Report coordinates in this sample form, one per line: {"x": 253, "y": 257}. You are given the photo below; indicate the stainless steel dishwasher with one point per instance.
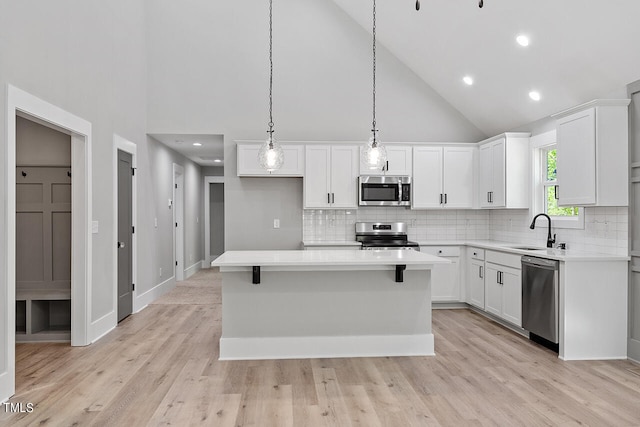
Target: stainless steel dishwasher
{"x": 540, "y": 299}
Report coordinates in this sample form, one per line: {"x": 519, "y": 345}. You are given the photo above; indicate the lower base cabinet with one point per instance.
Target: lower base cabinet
{"x": 445, "y": 279}
{"x": 43, "y": 315}
{"x": 503, "y": 287}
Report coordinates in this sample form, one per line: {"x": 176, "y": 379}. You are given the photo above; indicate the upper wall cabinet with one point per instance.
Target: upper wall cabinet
{"x": 593, "y": 143}
{"x": 330, "y": 180}
{"x": 398, "y": 161}
{"x": 248, "y": 160}
{"x": 443, "y": 177}
{"x": 503, "y": 171}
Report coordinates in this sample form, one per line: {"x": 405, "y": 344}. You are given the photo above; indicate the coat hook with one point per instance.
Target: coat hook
{"x": 480, "y": 4}
{"x": 24, "y": 174}
{"x": 417, "y": 4}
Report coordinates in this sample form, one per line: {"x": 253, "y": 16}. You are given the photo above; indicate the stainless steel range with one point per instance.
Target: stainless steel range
{"x": 384, "y": 236}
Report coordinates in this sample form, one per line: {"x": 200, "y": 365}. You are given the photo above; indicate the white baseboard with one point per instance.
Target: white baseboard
{"x": 143, "y": 300}
{"x": 190, "y": 271}
{"x": 103, "y": 326}
{"x": 325, "y": 347}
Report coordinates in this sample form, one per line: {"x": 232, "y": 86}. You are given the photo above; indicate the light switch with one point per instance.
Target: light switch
{"x": 276, "y": 223}
{"x": 94, "y": 227}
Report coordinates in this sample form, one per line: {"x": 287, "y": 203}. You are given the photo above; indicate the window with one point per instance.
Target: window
{"x": 550, "y": 186}
{"x": 547, "y": 190}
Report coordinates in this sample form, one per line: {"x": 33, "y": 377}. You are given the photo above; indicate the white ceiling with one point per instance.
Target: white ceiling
{"x": 580, "y": 50}
{"x": 212, "y": 147}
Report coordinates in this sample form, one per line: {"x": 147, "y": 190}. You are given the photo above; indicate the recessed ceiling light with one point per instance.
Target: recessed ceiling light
{"x": 468, "y": 80}
{"x": 523, "y": 40}
{"x": 217, "y": 161}
{"x": 197, "y": 144}
{"x": 535, "y": 95}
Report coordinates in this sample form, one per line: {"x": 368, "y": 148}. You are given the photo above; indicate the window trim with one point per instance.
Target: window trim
{"x": 539, "y": 145}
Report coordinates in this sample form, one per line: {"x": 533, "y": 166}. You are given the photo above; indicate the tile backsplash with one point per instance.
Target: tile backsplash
{"x": 605, "y": 229}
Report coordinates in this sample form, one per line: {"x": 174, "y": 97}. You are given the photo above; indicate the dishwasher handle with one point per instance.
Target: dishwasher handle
{"x": 540, "y": 262}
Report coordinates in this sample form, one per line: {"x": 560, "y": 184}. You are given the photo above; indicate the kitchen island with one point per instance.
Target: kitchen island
{"x": 334, "y": 303}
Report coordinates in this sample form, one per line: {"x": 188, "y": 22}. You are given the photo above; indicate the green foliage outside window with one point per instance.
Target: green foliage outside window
{"x": 552, "y": 203}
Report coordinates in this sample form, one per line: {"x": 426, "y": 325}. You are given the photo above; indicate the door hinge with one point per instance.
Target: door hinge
{"x": 133, "y": 286}
{"x": 176, "y": 185}
{"x": 176, "y": 263}
{"x": 133, "y": 171}
{"x": 176, "y": 225}
{"x": 133, "y": 229}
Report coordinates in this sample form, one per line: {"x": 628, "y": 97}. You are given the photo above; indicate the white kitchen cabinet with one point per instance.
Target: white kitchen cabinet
{"x": 592, "y": 144}
{"x": 247, "y": 160}
{"x": 442, "y": 177}
{"x": 330, "y": 179}
{"x": 475, "y": 277}
{"x": 445, "y": 278}
{"x": 503, "y": 287}
{"x": 503, "y": 171}
{"x": 398, "y": 161}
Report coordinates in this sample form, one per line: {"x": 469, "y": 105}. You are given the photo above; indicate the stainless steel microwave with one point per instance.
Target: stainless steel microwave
{"x": 384, "y": 191}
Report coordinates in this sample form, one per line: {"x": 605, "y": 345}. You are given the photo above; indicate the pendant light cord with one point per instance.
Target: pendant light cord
{"x": 270, "y": 69}
{"x": 374, "y": 74}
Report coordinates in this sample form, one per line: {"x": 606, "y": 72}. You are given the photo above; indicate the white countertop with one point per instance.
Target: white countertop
{"x": 557, "y": 254}
{"x": 330, "y": 243}
{"x": 336, "y": 257}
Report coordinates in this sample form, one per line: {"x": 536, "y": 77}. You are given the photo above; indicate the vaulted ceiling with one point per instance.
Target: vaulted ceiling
{"x": 579, "y": 50}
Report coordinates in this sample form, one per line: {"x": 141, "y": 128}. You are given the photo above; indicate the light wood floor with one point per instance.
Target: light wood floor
{"x": 160, "y": 367}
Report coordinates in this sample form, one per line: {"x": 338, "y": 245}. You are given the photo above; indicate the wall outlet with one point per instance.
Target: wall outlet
{"x": 276, "y": 223}
{"x": 160, "y": 271}
{"x": 95, "y": 227}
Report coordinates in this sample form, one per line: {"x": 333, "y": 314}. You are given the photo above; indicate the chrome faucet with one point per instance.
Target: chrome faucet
{"x": 550, "y": 241}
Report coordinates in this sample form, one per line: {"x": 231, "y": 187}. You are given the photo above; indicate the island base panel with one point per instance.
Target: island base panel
{"x": 295, "y": 314}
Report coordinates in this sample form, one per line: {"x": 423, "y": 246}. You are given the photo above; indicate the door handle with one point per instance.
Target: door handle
{"x": 480, "y": 271}
{"x": 556, "y": 191}
{"x": 121, "y": 245}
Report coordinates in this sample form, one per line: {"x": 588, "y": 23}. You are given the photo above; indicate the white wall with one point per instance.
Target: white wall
{"x": 155, "y": 169}
{"x": 84, "y": 57}
{"x": 199, "y": 82}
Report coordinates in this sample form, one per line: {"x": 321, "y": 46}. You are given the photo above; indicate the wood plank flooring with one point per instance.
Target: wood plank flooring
{"x": 159, "y": 367}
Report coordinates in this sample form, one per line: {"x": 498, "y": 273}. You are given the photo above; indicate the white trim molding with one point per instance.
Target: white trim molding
{"x": 154, "y": 293}
{"x": 33, "y": 108}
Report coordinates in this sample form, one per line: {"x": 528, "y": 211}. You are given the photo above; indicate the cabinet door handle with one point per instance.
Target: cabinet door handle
{"x": 491, "y": 196}
{"x": 329, "y": 198}
{"x": 556, "y": 191}
{"x": 488, "y": 196}
{"x": 480, "y": 272}
{"x": 445, "y": 198}
{"x": 333, "y": 197}
{"x": 440, "y": 198}
{"x": 498, "y": 277}
{"x": 387, "y": 168}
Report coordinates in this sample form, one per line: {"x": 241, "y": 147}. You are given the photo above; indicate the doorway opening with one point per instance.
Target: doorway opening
{"x": 213, "y": 218}
{"x": 24, "y": 105}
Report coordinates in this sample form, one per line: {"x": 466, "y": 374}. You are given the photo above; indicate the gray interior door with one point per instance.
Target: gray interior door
{"x": 125, "y": 231}
{"x": 43, "y": 228}
{"x": 633, "y": 350}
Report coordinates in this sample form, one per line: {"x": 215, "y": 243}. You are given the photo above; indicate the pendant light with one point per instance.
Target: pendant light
{"x": 374, "y": 155}
{"x": 270, "y": 155}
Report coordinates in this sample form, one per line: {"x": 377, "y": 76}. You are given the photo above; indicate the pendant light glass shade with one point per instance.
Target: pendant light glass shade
{"x": 271, "y": 155}
{"x": 374, "y": 155}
